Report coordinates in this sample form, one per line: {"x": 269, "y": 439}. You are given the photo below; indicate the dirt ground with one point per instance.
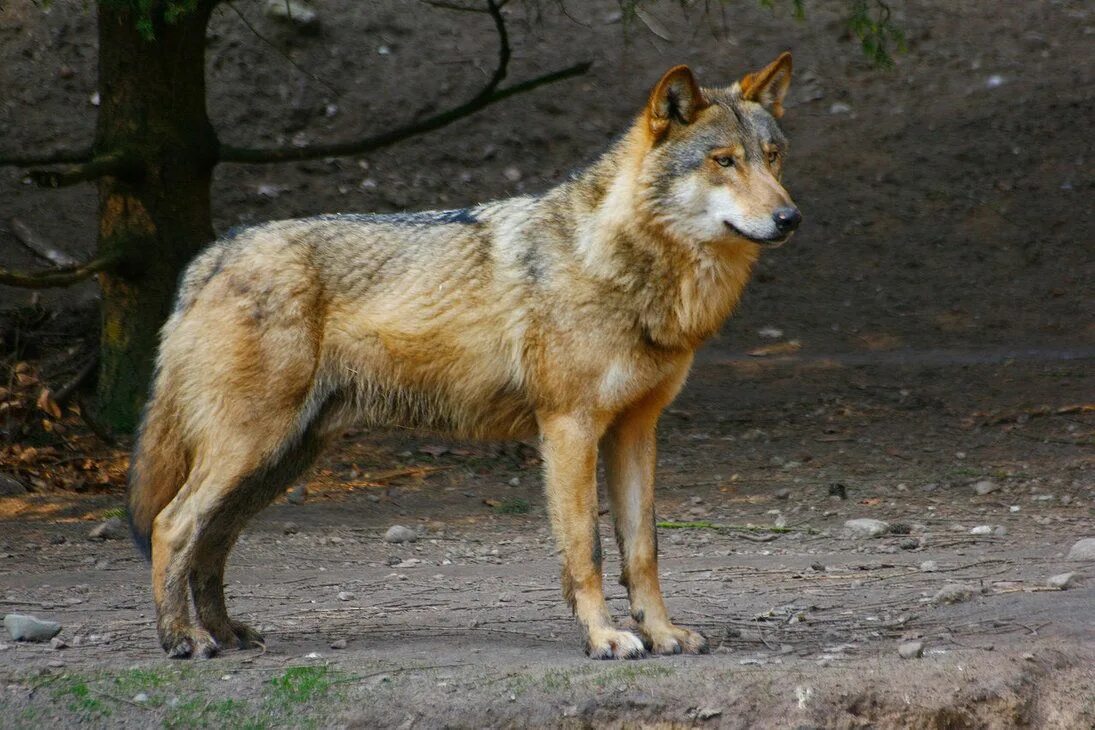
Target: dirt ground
{"x": 940, "y": 303}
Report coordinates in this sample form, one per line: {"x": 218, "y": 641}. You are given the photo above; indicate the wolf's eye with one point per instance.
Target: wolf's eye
{"x": 724, "y": 161}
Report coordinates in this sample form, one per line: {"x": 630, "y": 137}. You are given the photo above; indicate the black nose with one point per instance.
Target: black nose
{"x": 787, "y": 219}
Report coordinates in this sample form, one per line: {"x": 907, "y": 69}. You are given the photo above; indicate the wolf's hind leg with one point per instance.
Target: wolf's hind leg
{"x": 629, "y": 457}
{"x": 249, "y": 496}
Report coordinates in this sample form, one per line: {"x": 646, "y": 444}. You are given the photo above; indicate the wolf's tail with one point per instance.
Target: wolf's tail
{"x": 158, "y": 469}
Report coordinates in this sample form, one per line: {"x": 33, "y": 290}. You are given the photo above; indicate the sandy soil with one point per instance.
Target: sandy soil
{"x": 937, "y": 293}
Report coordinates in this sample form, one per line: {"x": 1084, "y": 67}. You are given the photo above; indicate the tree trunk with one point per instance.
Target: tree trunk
{"x": 157, "y": 215}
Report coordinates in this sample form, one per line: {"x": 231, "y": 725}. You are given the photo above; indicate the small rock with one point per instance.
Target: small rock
{"x": 11, "y": 487}
{"x": 515, "y": 482}
{"x": 770, "y": 332}
{"x": 985, "y": 486}
{"x": 1063, "y": 581}
{"x": 338, "y": 644}
{"x": 112, "y": 529}
{"x": 30, "y": 628}
{"x": 399, "y": 533}
{"x": 58, "y": 540}
{"x": 953, "y": 593}
{"x": 297, "y": 494}
{"x": 839, "y": 107}
{"x": 981, "y": 530}
{"x": 783, "y": 494}
{"x": 346, "y": 596}
{"x": 866, "y": 527}
{"x": 57, "y": 643}
{"x": 140, "y": 698}
{"x": 838, "y": 490}
{"x": 1084, "y": 549}
{"x": 293, "y": 11}
{"x": 910, "y": 543}
{"x": 512, "y": 174}
{"x": 1000, "y": 531}
{"x": 290, "y": 528}
{"x": 911, "y": 649}
{"x": 707, "y": 713}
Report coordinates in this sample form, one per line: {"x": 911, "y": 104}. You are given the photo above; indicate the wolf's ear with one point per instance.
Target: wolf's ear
{"x": 676, "y": 98}
{"x": 768, "y": 86}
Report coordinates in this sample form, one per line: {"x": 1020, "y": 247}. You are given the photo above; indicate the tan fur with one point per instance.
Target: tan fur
{"x": 573, "y": 316}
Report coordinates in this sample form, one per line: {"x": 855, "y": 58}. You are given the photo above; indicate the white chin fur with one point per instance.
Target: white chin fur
{"x": 701, "y": 213}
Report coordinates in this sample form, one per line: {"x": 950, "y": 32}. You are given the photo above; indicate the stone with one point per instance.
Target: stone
{"x": 515, "y": 482}
{"x": 57, "y": 643}
{"x": 290, "y": 528}
{"x": 346, "y": 596}
{"x": 30, "y": 628}
{"x": 338, "y": 644}
{"x": 112, "y": 529}
{"x": 784, "y": 493}
{"x": 298, "y": 13}
{"x": 866, "y": 527}
{"x": 11, "y": 487}
{"x": 911, "y": 649}
{"x": 297, "y": 494}
{"x": 985, "y": 486}
{"x": 707, "y": 713}
{"x": 140, "y": 698}
{"x": 399, "y": 533}
{"x": 953, "y": 593}
{"x": 1062, "y": 581}
{"x": 1084, "y": 549}
{"x": 981, "y": 530}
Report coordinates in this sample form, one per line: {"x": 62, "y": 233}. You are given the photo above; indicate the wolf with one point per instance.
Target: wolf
{"x": 572, "y": 316}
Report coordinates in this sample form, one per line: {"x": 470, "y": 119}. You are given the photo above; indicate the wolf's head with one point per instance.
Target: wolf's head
{"x": 715, "y": 158}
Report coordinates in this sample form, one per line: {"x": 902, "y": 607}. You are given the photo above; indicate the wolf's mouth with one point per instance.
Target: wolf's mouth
{"x": 768, "y": 242}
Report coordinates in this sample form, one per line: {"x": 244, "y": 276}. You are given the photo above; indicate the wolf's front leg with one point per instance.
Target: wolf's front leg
{"x": 570, "y": 458}
{"x": 629, "y": 453}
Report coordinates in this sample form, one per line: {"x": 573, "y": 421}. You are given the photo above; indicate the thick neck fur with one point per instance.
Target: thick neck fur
{"x": 685, "y": 289}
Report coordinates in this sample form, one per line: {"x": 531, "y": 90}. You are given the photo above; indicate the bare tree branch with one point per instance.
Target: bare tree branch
{"x": 61, "y": 277}
{"x": 489, "y": 94}
{"x": 288, "y": 59}
{"x": 113, "y": 164}
{"x": 60, "y": 157}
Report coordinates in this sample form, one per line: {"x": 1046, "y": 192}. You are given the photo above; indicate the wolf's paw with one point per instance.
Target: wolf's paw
{"x": 666, "y": 638}
{"x": 614, "y": 644}
{"x": 189, "y": 642}
{"x": 235, "y": 633}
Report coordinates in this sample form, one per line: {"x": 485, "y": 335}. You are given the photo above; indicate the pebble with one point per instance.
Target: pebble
{"x": 1063, "y": 581}
{"x": 140, "y": 697}
{"x": 11, "y": 487}
{"x": 839, "y": 107}
{"x": 984, "y": 487}
{"x": 515, "y": 482}
{"x": 910, "y": 543}
{"x": 866, "y": 527}
{"x": 707, "y": 713}
{"x": 783, "y": 494}
{"x": 1084, "y": 549}
{"x": 911, "y": 649}
{"x": 297, "y": 494}
{"x": 346, "y": 596}
{"x": 112, "y": 529}
{"x": 512, "y": 174}
{"x": 981, "y": 530}
{"x": 399, "y": 533}
{"x": 953, "y": 593}
{"x": 338, "y": 644}
{"x": 293, "y": 11}
{"x": 57, "y": 643}
{"x": 30, "y": 628}
{"x": 290, "y": 528}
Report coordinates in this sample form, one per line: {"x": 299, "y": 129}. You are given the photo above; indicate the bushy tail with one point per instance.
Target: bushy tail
{"x": 157, "y": 471}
